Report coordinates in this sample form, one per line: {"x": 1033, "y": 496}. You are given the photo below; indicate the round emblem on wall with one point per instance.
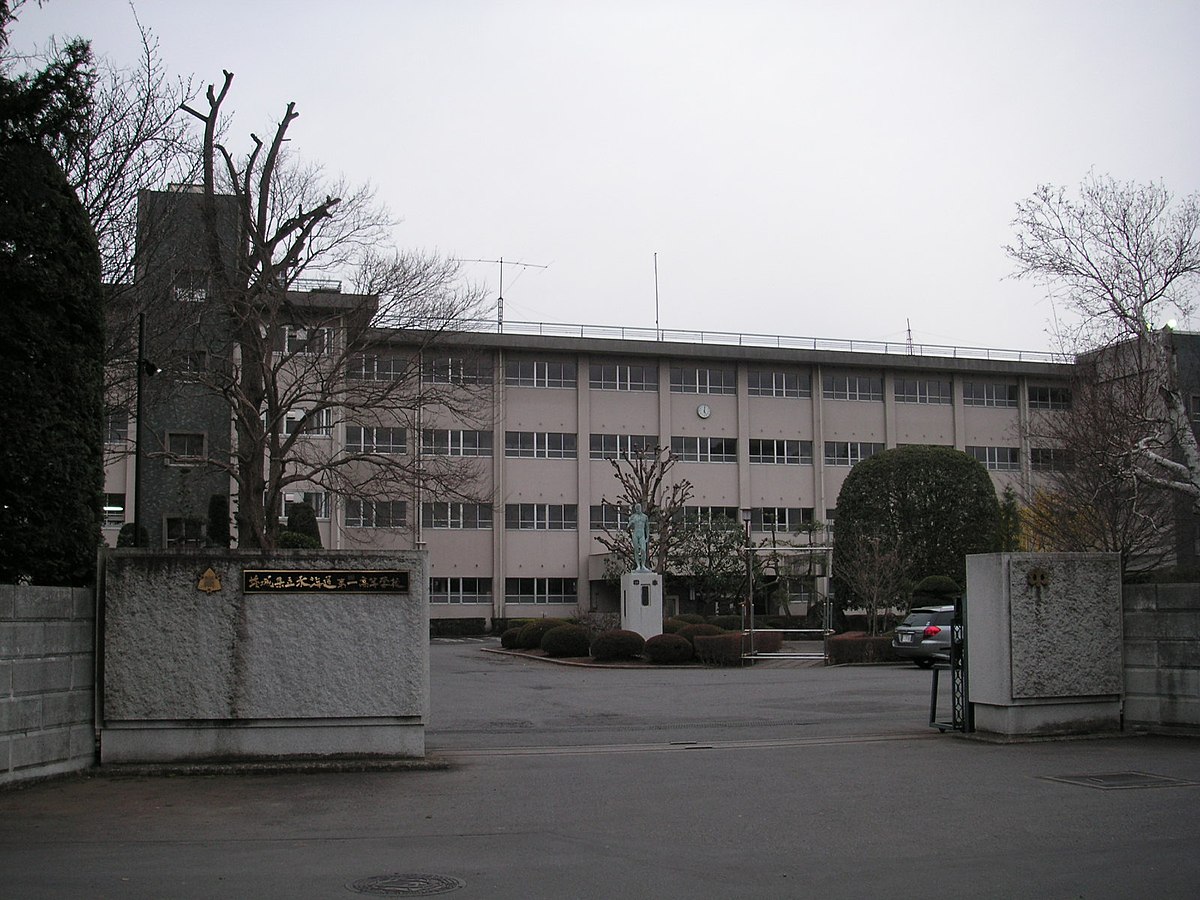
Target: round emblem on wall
{"x": 704, "y": 410}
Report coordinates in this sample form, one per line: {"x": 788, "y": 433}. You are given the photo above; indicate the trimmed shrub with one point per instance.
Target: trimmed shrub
{"x": 858, "y": 647}
{"x": 508, "y": 640}
{"x": 302, "y": 519}
{"x": 941, "y": 589}
{"x": 218, "y": 520}
{"x": 672, "y": 625}
{"x": 723, "y": 649}
{"x": 471, "y": 626}
{"x": 667, "y": 649}
{"x": 689, "y": 632}
{"x": 764, "y": 642}
{"x": 566, "y": 640}
{"x": 531, "y": 635}
{"x": 729, "y": 623}
{"x": 617, "y": 644}
{"x": 691, "y": 618}
{"x": 294, "y": 540}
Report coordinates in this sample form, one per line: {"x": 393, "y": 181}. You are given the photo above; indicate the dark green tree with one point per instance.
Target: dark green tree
{"x": 1009, "y": 536}
{"x": 51, "y": 348}
{"x": 929, "y": 506}
{"x": 302, "y": 519}
{"x": 218, "y": 520}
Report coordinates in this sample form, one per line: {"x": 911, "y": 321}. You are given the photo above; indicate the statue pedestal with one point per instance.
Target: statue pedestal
{"x": 642, "y": 603}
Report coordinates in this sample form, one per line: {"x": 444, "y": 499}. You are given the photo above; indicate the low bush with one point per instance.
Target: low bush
{"x": 294, "y": 540}
{"x": 508, "y": 640}
{"x": 690, "y": 618}
{"x": 617, "y": 644}
{"x": 457, "y": 627}
{"x": 859, "y": 647}
{"x": 724, "y": 649}
{"x": 531, "y": 634}
{"x": 729, "y": 623}
{"x": 689, "y": 632}
{"x": 764, "y": 642}
{"x": 667, "y": 649}
{"x": 672, "y": 625}
{"x": 566, "y": 640}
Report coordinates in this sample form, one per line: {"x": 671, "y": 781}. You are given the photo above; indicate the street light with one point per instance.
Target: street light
{"x": 748, "y": 615}
{"x": 146, "y": 369}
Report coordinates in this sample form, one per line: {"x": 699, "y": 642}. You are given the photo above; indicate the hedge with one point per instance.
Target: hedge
{"x": 666, "y": 649}
{"x": 724, "y": 649}
{"x": 691, "y": 631}
{"x": 858, "y": 647}
{"x": 617, "y": 644}
{"x": 566, "y": 640}
{"x": 531, "y": 635}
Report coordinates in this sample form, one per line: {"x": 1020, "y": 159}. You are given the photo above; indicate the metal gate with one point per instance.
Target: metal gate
{"x": 961, "y": 715}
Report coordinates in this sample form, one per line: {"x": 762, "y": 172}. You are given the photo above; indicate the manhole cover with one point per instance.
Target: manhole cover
{"x": 1117, "y": 781}
{"x": 406, "y": 885}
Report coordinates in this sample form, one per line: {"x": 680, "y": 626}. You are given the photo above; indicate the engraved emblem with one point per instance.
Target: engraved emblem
{"x": 209, "y": 582}
{"x": 1037, "y": 579}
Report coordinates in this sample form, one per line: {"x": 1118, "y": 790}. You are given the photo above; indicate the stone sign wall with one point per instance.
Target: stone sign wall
{"x": 221, "y": 654}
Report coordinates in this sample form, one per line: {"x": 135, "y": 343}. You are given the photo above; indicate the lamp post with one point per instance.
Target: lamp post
{"x": 748, "y": 615}
{"x": 146, "y": 369}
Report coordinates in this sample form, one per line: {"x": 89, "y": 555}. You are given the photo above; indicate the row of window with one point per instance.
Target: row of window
{"x": 516, "y": 590}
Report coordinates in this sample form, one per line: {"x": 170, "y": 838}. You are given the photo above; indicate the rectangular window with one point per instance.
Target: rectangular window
{"x": 847, "y": 453}
{"x": 297, "y": 339}
{"x": 770, "y": 383}
{"x": 114, "y": 510}
{"x": 999, "y": 459}
{"x": 989, "y": 393}
{"x": 539, "y": 445}
{"x": 913, "y": 390}
{"x": 192, "y": 364}
{"x": 541, "y": 516}
{"x": 540, "y": 590}
{"x": 376, "y": 513}
{"x": 704, "y": 449}
{"x": 318, "y": 500}
{"x": 781, "y": 452}
{"x": 184, "y": 534}
{"x": 779, "y": 518}
{"x": 460, "y": 590}
{"x": 456, "y": 515}
{"x": 607, "y": 516}
{"x": 1051, "y": 459}
{"x": 192, "y": 288}
{"x": 709, "y": 514}
{"x": 317, "y": 423}
{"x": 375, "y": 439}
{"x": 536, "y": 373}
{"x": 116, "y": 425}
{"x": 1044, "y": 397}
{"x": 623, "y": 377}
{"x": 456, "y": 442}
{"x": 185, "y": 448}
{"x": 457, "y": 370}
{"x": 617, "y": 446}
{"x": 701, "y": 380}
{"x": 369, "y": 367}
{"x": 852, "y": 387}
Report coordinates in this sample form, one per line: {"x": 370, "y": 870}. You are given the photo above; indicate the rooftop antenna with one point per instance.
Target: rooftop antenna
{"x": 908, "y": 322}
{"x": 500, "y": 298}
{"x": 657, "y": 330}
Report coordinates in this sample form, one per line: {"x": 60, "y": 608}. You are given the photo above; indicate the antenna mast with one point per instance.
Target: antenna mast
{"x": 500, "y": 298}
{"x": 908, "y": 322}
{"x": 657, "y": 330}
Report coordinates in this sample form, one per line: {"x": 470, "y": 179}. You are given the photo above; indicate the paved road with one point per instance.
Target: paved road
{"x": 568, "y": 782}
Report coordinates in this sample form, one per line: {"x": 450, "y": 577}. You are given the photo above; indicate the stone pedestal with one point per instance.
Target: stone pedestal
{"x": 642, "y": 603}
{"x": 1044, "y": 643}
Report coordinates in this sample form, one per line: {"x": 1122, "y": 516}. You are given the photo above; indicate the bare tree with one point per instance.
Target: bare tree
{"x": 291, "y": 356}
{"x": 1087, "y": 497}
{"x": 873, "y": 567}
{"x": 645, "y": 477}
{"x": 1124, "y": 259}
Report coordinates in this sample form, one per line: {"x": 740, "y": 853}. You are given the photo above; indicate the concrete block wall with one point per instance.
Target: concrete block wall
{"x": 47, "y": 675}
{"x": 1162, "y": 655}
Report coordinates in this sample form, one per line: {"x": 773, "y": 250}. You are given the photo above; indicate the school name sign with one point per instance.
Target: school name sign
{"x": 324, "y": 581}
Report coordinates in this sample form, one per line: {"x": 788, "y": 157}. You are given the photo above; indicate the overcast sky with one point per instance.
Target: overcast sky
{"x": 828, "y": 169}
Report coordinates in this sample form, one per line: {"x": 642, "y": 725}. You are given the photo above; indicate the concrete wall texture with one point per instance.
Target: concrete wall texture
{"x": 1162, "y": 655}
{"x": 195, "y": 668}
{"x": 47, "y": 675}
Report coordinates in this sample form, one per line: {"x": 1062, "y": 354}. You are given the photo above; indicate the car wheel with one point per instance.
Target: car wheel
{"x": 924, "y": 663}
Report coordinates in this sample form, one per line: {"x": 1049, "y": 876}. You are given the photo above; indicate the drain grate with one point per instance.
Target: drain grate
{"x": 406, "y": 885}
{"x": 1121, "y": 781}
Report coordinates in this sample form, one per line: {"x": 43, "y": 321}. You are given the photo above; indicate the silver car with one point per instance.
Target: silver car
{"x": 924, "y": 637}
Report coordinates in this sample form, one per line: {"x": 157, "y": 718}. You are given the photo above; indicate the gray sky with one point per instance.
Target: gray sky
{"x": 827, "y": 169}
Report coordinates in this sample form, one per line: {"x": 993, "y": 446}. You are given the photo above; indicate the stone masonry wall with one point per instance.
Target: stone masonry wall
{"x": 47, "y": 661}
{"x": 1162, "y": 655}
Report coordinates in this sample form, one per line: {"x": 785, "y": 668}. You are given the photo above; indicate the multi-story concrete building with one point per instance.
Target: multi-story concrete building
{"x": 770, "y": 426}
